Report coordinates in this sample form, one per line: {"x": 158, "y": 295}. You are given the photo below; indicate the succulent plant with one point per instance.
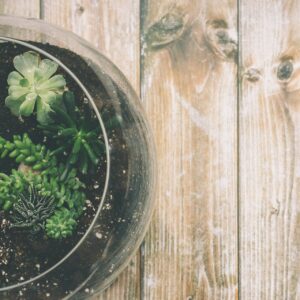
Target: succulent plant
{"x": 61, "y": 224}
{"x": 32, "y": 210}
{"x": 44, "y": 173}
{"x": 77, "y": 134}
{"x": 23, "y": 150}
{"x": 10, "y": 187}
{"x": 33, "y": 85}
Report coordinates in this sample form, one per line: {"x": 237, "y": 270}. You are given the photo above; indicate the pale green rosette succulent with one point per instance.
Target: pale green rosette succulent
{"x": 32, "y": 87}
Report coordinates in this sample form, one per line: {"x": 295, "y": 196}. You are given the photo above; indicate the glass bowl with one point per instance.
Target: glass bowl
{"x": 126, "y": 202}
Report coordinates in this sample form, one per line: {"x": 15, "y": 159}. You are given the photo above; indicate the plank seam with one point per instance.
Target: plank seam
{"x": 142, "y": 6}
{"x": 41, "y": 10}
{"x": 239, "y": 93}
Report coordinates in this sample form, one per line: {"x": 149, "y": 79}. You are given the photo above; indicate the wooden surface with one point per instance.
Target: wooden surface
{"x": 220, "y": 82}
{"x": 269, "y": 150}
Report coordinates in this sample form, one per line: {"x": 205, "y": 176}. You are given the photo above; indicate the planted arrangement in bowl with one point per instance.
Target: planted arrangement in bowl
{"x": 50, "y": 147}
{"x": 76, "y": 165}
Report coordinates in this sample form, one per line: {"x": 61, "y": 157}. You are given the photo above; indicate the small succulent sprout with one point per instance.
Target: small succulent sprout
{"x": 33, "y": 87}
{"x": 61, "y": 224}
{"x": 77, "y": 133}
{"x": 32, "y": 210}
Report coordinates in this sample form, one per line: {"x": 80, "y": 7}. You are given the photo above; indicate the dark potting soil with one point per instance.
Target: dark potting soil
{"x": 28, "y": 256}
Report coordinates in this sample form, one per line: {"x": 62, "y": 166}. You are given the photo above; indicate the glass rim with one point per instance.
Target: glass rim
{"x": 108, "y": 162}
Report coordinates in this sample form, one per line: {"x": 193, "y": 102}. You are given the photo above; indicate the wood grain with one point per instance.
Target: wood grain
{"x": 111, "y": 26}
{"x": 269, "y": 156}
{"x": 189, "y": 91}
{"x": 24, "y": 8}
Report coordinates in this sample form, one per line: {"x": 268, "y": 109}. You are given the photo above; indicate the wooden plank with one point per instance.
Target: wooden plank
{"x": 189, "y": 91}
{"x": 112, "y": 27}
{"x": 269, "y": 152}
{"x": 24, "y": 8}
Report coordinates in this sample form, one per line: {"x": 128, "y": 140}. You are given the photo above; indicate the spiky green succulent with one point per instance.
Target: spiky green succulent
{"x": 32, "y": 87}
{"x": 61, "y": 224}
{"x": 32, "y": 210}
{"x": 77, "y": 134}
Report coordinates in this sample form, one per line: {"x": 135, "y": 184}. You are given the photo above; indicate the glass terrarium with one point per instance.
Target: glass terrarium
{"x": 77, "y": 170}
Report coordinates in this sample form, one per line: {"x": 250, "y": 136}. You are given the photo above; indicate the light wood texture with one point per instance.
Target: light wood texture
{"x": 189, "y": 91}
{"x": 269, "y": 150}
{"x": 23, "y": 8}
{"x": 111, "y": 26}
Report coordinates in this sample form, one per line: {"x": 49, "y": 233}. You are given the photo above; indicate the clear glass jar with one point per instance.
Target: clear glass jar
{"x": 126, "y": 205}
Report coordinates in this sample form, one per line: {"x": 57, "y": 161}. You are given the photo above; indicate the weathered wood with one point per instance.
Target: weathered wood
{"x": 189, "y": 90}
{"x": 24, "y": 8}
{"x": 111, "y": 26}
{"x": 269, "y": 156}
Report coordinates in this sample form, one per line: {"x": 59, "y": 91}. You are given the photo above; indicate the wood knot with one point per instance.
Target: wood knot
{"x": 221, "y": 40}
{"x": 80, "y": 10}
{"x": 164, "y": 32}
{"x": 218, "y": 23}
{"x": 252, "y": 74}
{"x": 285, "y": 69}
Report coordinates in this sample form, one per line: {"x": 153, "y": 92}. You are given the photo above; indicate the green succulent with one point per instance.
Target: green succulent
{"x": 33, "y": 85}
{"x": 61, "y": 224}
{"x": 44, "y": 174}
{"x": 23, "y": 150}
{"x": 32, "y": 210}
{"x": 77, "y": 134}
{"x": 10, "y": 187}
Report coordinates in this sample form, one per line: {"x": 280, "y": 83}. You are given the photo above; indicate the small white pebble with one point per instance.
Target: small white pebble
{"x": 99, "y": 235}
